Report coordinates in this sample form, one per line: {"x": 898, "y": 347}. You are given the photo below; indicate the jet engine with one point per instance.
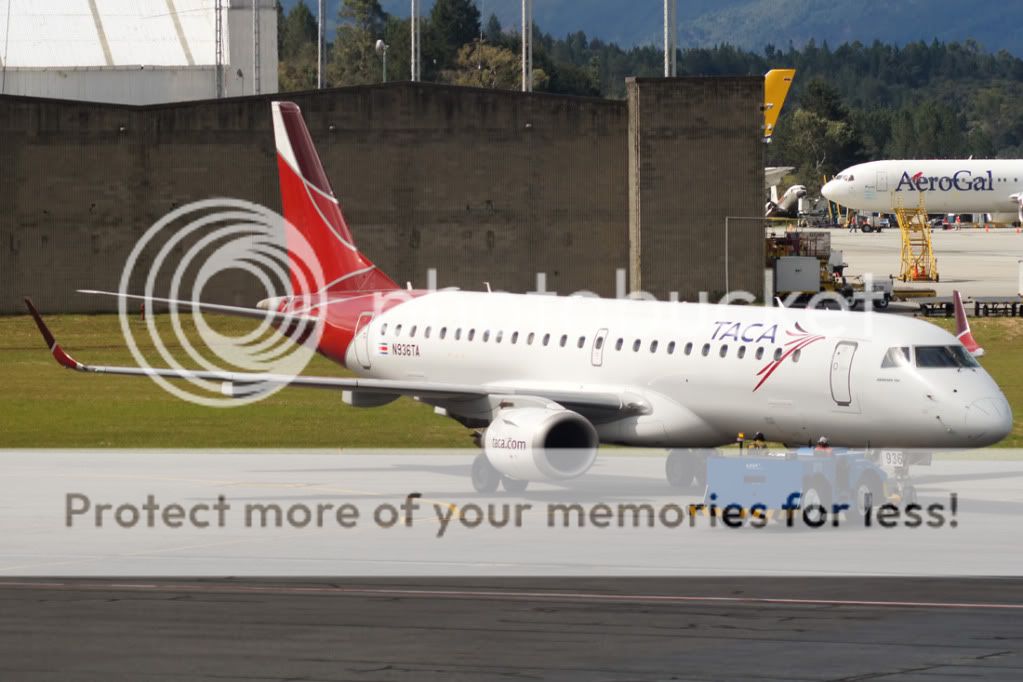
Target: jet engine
{"x": 1019, "y": 199}
{"x": 538, "y": 443}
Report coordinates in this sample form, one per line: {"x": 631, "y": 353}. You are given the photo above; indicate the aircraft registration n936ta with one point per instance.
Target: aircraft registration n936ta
{"x": 550, "y": 378}
{"x": 946, "y": 186}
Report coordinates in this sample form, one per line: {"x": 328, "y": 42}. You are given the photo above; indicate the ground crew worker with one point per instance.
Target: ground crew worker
{"x": 759, "y": 444}
{"x": 823, "y": 446}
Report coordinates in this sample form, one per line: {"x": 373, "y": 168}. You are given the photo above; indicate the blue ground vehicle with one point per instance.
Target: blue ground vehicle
{"x": 839, "y": 477}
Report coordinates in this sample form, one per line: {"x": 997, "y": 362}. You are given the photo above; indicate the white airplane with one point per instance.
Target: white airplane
{"x": 550, "y": 378}
{"x": 787, "y": 205}
{"x": 946, "y": 186}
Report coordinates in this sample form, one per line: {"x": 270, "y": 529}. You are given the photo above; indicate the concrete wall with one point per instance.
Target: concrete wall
{"x": 695, "y": 158}
{"x": 482, "y": 185}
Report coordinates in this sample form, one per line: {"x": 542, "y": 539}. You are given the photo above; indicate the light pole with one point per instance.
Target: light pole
{"x": 381, "y": 49}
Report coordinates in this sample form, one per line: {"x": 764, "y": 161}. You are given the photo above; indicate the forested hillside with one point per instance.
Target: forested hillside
{"x": 850, "y": 102}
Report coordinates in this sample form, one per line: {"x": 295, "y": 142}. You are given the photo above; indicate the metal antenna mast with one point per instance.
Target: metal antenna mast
{"x": 670, "y": 38}
{"x": 417, "y": 54}
{"x": 255, "y": 47}
{"x": 321, "y": 36}
{"x": 218, "y": 22}
{"x": 527, "y": 45}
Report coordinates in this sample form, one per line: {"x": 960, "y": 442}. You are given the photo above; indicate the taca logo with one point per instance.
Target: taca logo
{"x": 964, "y": 181}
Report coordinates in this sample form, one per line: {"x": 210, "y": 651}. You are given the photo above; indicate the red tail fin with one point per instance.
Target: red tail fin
{"x": 310, "y": 206}
{"x": 963, "y": 332}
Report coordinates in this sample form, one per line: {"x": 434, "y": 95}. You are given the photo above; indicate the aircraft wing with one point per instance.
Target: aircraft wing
{"x": 587, "y": 402}
{"x": 237, "y": 311}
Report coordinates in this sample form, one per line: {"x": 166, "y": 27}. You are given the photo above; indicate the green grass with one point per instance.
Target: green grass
{"x": 42, "y": 405}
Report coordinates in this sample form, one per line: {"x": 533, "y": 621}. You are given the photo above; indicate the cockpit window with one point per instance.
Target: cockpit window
{"x": 944, "y": 356}
{"x": 897, "y": 356}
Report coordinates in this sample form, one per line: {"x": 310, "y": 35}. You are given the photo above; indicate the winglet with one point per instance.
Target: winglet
{"x": 963, "y": 332}
{"x": 59, "y": 355}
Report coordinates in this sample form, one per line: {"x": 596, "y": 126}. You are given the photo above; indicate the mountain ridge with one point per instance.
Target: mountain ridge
{"x": 753, "y": 24}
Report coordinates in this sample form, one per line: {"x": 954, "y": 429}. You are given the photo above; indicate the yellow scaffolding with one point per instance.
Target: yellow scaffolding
{"x": 918, "y": 262}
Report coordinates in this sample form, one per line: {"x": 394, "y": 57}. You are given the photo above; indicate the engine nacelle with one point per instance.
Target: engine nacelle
{"x": 537, "y": 443}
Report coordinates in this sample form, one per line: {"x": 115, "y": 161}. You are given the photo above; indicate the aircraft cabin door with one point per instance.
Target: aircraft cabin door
{"x": 597, "y": 354}
{"x": 841, "y": 372}
{"x": 362, "y": 328}
{"x": 882, "y": 181}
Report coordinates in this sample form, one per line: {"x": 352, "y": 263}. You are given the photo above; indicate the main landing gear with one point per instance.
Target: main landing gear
{"x": 487, "y": 479}
{"x": 686, "y": 469}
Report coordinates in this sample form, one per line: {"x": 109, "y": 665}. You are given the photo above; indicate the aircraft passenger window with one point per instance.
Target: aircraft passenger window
{"x": 486, "y": 335}
{"x": 498, "y": 336}
{"x": 443, "y": 332}
{"x": 383, "y": 329}
{"x": 458, "y": 334}
{"x": 600, "y": 342}
{"x": 515, "y": 337}
{"x": 412, "y": 332}
{"x": 529, "y": 339}
{"x": 635, "y": 345}
{"x": 546, "y": 339}
{"x": 619, "y": 343}
{"x": 760, "y": 353}
{"x": 472, "y": 333}
{"x": 796, "y": 354}
{"x": 564, "y": 340}
{"x": 397, "y": 330}
{"x": 582, "y": 341}
{"x": 897, "y": 356}
{"x": 777, "y": 354}
{"x": 426, "y": 333}
{"x": 689, "y": 348}
{"x": 653, "y": 346}
{"x": 706, "y": 350}
{"x": 671, "y": 347}
{"x": 742, "y": 352}
{"x": 724, "y": 350}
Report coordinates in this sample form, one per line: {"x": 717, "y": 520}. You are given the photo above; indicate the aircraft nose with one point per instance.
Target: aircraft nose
{"x": 988, "y": 420}
{"x": 830, "y": 190}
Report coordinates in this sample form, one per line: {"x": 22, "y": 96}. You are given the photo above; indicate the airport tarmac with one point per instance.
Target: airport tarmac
{"x": 475, "y": 627}
{"x": 975, "y": 262}
{"x": 502, "y": 629}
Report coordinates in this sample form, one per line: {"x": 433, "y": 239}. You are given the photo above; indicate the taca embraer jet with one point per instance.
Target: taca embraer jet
{"x": 552, "y": 377}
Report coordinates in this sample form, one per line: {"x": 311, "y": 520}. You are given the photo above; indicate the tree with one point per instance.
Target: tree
{"x": 355, "y": 61}
{"x": 296, "y": 39}
{"x": 493, "y": 32}
{"x": 452, "y": 24}
{"x": 298, "y": 30}
{"x": 483, "y": 65}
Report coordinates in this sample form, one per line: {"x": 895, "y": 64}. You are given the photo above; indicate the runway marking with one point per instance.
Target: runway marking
{"x": 506, "y": 595}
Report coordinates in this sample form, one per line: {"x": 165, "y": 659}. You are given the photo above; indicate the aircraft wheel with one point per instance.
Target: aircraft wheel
{"x": 816, "y": 494}
{"x": 485, "y": 478}
{"x": 700, "y": 462}
{"x": 513, "y": 485}
{"x": 680, "y": 469}
{"x": 868, "y": 485}
{"x": 908, "y": 494}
